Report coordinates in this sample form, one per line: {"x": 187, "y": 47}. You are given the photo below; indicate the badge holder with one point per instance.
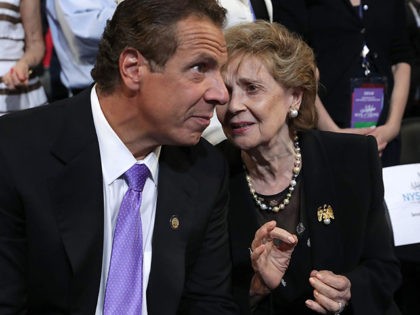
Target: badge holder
{"x": 368, "y": 96}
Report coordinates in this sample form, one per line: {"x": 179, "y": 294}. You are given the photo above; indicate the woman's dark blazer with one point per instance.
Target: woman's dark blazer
{"x": 336, "y": 33}
{"x": 343, "y": 171}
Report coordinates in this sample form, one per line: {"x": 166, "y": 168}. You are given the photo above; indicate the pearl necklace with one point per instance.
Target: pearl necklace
{"x": 296, "y": 170}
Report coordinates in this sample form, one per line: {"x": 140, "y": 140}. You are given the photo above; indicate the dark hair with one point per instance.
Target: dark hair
{"x": 148, "y": 26}
{"x": 288, "y": 58}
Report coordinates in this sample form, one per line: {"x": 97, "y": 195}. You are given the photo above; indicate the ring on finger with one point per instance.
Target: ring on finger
{"x": 341, "y": 307}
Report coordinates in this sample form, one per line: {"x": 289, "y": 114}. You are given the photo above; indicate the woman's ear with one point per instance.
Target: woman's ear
{"x": 297, "y": 96}
{"x": 131, "y": 64}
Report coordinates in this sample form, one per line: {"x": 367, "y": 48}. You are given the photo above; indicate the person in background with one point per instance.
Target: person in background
{"x": 413, "y": 24}
{"x": 110, "y": 201}
{"x": 407, "y": 296}
{"x": 22, "y": 49}
{"x": 359, "y": 45}
{"x": 50, "y": 78}
{"x": 315, "y": 227}
{"x": 76, "y": 29}
{"x": 239, "y": 11}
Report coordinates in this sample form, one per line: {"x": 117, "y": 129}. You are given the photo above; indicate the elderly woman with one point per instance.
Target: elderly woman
{"x": 315, "y": 198}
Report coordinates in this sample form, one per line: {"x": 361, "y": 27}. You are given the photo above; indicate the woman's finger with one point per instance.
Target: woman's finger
{"x": 313, "y": 305}
{"x": 262, "y": 234}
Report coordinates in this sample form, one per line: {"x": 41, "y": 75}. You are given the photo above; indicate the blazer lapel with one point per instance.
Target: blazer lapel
{"x": 243, "y": 220}
{"x": 318, "y": 191}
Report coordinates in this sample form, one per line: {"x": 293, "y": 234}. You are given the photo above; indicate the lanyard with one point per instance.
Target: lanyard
{"x": 365, "y": 50}
{"x": 360, "y": 10}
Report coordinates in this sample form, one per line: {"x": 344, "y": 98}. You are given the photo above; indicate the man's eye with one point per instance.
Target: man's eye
{"x": 201, "y": 67}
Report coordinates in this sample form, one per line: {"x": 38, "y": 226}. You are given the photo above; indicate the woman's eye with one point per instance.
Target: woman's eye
{"x": 251, "y": 88}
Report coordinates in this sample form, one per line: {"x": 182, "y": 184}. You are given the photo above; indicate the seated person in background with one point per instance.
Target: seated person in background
{"x": 315, "y": 198}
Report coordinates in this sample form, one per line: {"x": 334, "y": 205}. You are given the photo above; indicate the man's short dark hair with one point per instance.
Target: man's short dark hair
{"x": 149, "y": 27}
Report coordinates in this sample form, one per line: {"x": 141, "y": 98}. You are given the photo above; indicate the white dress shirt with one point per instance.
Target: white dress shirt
{"x": 116, "y": 159}
{"x": 238, "y": 11}
{"x": 76, "y": 29}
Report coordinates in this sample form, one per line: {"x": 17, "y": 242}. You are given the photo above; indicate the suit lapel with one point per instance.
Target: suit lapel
{"x": 319, "y": 190}
{"x": 176, "y": 201}
{"x": 77, "y": 192}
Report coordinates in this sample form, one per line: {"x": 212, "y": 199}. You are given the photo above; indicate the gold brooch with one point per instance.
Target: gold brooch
{"x": 325, "y": 214}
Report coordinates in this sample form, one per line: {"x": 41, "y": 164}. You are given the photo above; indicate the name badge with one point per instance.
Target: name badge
{"x": 368, "y": 96}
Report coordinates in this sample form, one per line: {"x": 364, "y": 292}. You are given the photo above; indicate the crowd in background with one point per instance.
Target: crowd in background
{"x": 69, "y": 43}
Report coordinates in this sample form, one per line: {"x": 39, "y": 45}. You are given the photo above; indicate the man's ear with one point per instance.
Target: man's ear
{"x": 132, "y": 65}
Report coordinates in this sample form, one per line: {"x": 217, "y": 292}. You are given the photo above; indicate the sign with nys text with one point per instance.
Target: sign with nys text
{"x": 402, "y": 196}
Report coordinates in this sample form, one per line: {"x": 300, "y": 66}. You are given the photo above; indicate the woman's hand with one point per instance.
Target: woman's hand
{"x": 331, "y": 292}
{"x": 272, "y": 249}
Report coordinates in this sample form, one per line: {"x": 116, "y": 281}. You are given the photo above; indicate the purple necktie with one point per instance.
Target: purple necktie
{"x": 124, "y": 286}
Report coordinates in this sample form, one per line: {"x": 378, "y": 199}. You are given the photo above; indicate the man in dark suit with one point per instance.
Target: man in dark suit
{"x": 62, "y": 173}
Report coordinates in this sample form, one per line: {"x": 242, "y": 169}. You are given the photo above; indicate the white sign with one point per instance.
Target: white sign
{"x": 402, "y": 196}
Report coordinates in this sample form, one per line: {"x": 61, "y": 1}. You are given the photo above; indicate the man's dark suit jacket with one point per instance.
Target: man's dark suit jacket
{"x": 342, "y": 171}
{"x": 51, "y": 219}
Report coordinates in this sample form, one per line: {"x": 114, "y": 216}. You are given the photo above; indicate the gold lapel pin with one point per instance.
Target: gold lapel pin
{"x": 174, "y": 222}
{"x": 325, "y": 214}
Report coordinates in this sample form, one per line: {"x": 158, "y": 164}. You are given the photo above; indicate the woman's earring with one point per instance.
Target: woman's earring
{"x": 293, "y": 113}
